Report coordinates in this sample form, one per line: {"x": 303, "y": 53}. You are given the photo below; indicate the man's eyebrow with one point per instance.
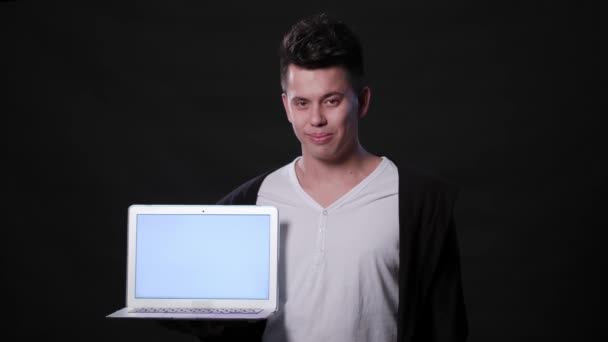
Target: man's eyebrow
{"x": 330, "y": 94}
{"x": 333, "y": 93}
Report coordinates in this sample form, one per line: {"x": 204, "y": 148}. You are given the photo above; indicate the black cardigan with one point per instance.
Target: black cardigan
{"x": 431, "y": 305}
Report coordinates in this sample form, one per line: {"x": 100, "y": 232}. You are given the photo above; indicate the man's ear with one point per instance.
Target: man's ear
{"x": 364, "y": 99}
{"x": 286, "y": 106}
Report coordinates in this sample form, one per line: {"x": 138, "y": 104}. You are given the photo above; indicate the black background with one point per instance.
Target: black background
{"x": 179, "y": 102}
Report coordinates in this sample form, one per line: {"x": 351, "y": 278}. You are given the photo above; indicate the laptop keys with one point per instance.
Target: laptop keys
{"x": 195, "y": 311}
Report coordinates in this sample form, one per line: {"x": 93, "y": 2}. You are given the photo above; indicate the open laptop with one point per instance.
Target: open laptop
{"x": 201, "y": 262}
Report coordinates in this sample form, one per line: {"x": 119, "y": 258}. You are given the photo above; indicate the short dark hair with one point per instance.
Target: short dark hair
{"x": 321, "y": 41}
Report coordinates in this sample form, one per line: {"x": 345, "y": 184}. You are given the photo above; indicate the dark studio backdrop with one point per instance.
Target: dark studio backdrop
{"x": 179, "y": 102}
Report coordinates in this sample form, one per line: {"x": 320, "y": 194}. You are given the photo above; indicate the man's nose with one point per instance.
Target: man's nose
{"x": 317, "y": 116}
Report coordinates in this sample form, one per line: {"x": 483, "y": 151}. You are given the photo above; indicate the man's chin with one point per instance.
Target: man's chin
{"x": 329, "y": 156}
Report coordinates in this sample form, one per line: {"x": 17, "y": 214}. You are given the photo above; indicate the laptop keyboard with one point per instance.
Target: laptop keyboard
{"x": 195, "y": 311}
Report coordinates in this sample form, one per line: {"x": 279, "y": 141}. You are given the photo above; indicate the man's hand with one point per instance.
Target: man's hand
{"x": 204, "y": 330}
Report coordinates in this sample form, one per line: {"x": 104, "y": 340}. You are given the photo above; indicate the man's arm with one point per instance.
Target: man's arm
{"x": 431, "y": 303}
{"x": 444, "y": 311}
{"x": 226, "y": 331}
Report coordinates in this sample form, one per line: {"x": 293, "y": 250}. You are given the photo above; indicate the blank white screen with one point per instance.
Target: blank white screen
{"x": 190, "y": 256}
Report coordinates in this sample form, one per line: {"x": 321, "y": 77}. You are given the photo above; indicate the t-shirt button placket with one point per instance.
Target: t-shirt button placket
{"x": 322, "y": 226}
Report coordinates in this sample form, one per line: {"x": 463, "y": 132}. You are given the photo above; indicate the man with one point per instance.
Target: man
{"x": 368, "y": 246}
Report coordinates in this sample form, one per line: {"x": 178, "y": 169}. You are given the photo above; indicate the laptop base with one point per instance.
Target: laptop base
{"x": 124, "y": 313}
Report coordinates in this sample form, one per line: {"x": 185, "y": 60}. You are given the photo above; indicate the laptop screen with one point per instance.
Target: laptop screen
{"x": 202, "y": 256}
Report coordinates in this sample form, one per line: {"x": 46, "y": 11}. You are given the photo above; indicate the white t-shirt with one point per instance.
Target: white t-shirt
{"x": 338, "y": 266}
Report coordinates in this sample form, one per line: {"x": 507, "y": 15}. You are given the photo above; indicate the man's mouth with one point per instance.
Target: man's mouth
{"x": 320, "y": 138}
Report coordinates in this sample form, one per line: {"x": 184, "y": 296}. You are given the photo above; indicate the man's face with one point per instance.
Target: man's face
{"x": 324, "y": 111}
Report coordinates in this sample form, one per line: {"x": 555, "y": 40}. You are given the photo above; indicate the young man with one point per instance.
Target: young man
{"x": 369, "y": 251}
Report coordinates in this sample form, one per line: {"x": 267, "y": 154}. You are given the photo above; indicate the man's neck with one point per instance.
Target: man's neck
{"x": 326, "y": 182}
{"x": 353, "y": 168}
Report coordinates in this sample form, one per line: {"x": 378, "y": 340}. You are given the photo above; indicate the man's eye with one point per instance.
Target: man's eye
{"x": 332, "y": 102}
{"x": 300, "y": 103}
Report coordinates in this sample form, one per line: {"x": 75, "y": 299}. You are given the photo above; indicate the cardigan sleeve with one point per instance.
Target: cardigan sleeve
{"x": 431, "y": 303}
{"x": 444, "y": 310}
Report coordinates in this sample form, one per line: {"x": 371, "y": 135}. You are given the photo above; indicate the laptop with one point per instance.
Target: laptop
{"x": 201, "y": 262}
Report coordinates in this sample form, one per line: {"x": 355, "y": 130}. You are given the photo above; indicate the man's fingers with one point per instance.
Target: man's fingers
{"x": 214, "y": 329}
